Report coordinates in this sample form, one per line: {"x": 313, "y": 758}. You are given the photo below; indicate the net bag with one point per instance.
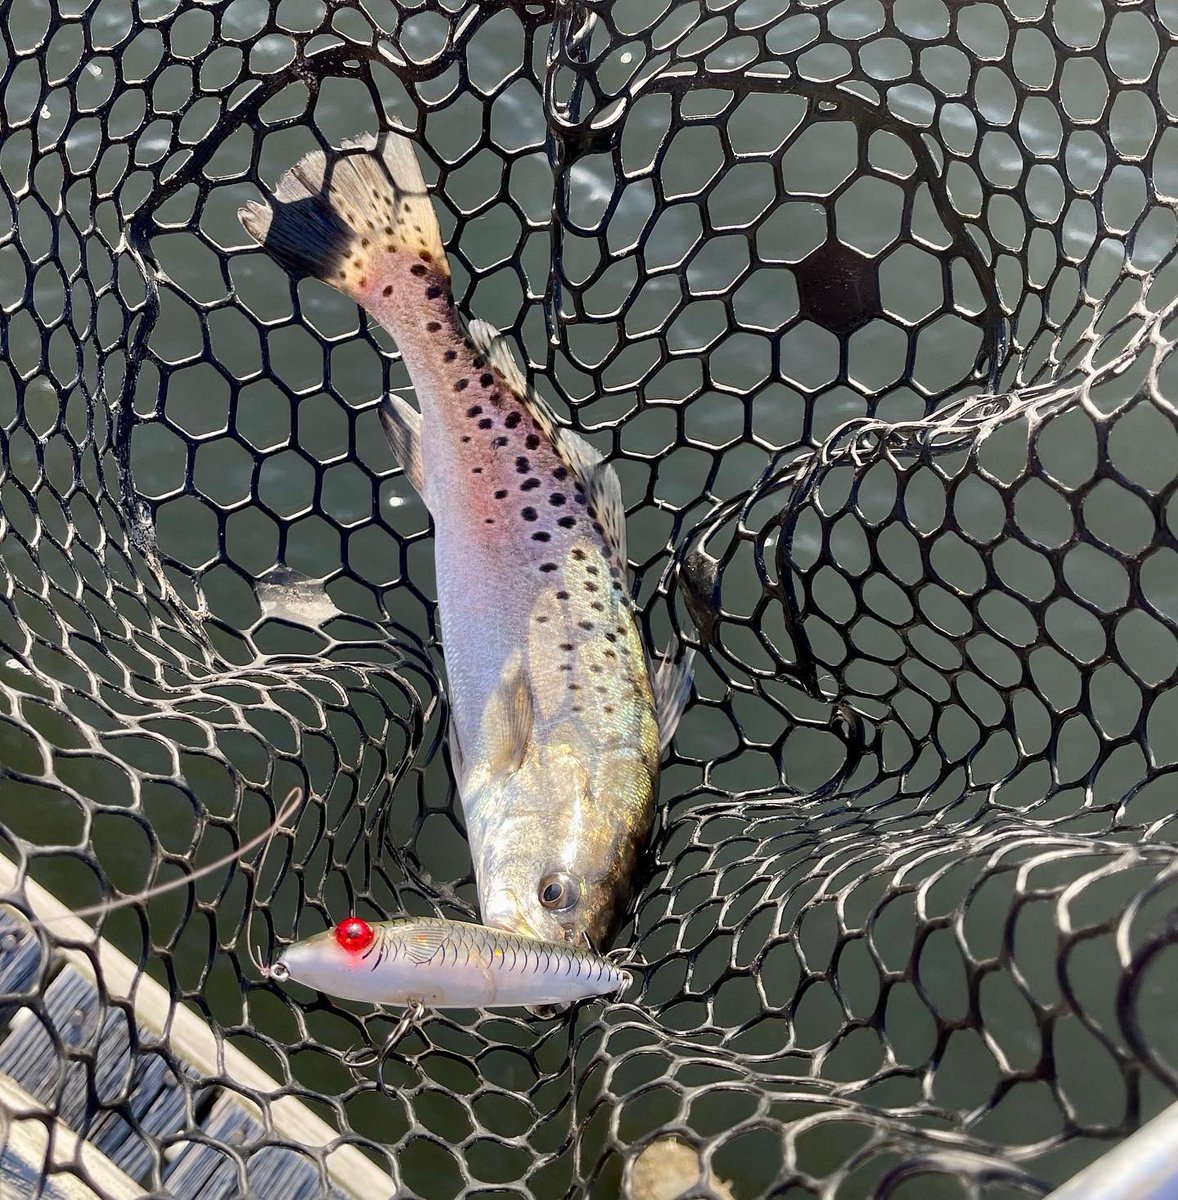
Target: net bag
{"x": 871, "y": 306}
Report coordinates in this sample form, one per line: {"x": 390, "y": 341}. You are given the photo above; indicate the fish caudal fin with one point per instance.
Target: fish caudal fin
{"x": 351, "y": 216}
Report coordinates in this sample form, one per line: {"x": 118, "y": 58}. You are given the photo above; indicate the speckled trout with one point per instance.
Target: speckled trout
{"x": 558, "y": 719}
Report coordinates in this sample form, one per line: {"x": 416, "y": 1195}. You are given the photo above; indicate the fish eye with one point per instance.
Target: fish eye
{"x": 558, "y": 893}
{"x": 280, "y": 971}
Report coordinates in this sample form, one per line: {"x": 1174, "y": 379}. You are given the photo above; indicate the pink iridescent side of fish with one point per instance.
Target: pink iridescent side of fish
{"x": 558, "y": 721}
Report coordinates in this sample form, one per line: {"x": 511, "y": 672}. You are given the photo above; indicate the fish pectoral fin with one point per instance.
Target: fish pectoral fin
{"x": 457, "y": 760}
{"x": 402, "y": 426}
{"x": 424, "y": 943}
{"x": 670, "y": 682}
{"x": 511, "y": 727}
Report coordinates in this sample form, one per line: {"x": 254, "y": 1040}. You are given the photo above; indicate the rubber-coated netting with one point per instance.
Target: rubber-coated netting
{"x": 871, "y": 305}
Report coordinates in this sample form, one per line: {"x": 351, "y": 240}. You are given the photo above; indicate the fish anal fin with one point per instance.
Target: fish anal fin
{"x": 671, "y": 684}
{"x": 402, "y": 427}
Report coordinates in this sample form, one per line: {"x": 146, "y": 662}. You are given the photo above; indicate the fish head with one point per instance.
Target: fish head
{"x": 562, "y": 866}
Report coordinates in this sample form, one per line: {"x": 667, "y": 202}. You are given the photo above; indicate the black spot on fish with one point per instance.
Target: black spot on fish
{"x": 541, "y": 536}
{"x": 597, "y": 529}
{"x": 608, "y": 710}
{"x": 576, "y": 708}
{"x": 474, "y": 410}
{"x": 590, "y": 570}
{"x": 462, "y": 385}
{"x": 585, "y": 624}
{"x": 486, "y": 423}
{"x": 466, "y": 437}
{"x": 560, "y": 473}
{"x": 426, "y": 256}
{"x": 476, "y": 470}
{"x": 529, "y": 485}
{"x": 511, "y": 420}
{"x": 566, "y": 666}
{"x": 485, "y": 380}
{"x": 579, "y": 554}
{"x": 574, "y": 687}
{"x": 611, "y": 654}
{"x": 489, "y": 521}
{"x": 590, "y": 587}
{"x": 450, "y": 355}
{"x": 479, "y": 362}
{"x": 500, "y": 493}
{"x": 522, "y": 465}
{"x": 597, "y": 606}
{"x": 417, "y": 269}
{"x": 541, "y": 619}
{"x": 611, "y": 637}
{"x": 531, "y": 441}
{"x": 547, "y": 568}
{"x": 567, "y": 522}
{"x": 499, "y": 441}
{"x": 496, "y": 399}
{"x": 566, "y": 645}
{"x": 388, "y": 291}
{"x": 432, "y": 326}
{"x": 596, "y": 668}
{"x": 556, "y": 498}
{"x": 528, "y": 514}
{"x": 433, "y": 291}
{"x": 562, "y": 595}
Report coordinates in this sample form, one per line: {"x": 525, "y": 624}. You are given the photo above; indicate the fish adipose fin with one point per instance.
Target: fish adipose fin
{"x": 402, "y": 426}
{"x": 510, "y": 725}
{"x": 602, "y": 486}
{"x": 671, "y": 683}
{"x": 336, "y": 212}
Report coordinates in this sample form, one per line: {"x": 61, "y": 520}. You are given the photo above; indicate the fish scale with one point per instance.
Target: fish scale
{"x": 556, "y": 728}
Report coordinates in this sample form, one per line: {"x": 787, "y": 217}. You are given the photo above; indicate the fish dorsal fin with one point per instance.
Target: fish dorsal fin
{"x": 422, "y": 942}
{"x": 509, "y": 724}
{"x": 490, "y": 343}
{"x": 496, "y": 348}
{"x": 670, "y": 682}
{"x": 402, "y": 427}
{"x": 602, "y": 487}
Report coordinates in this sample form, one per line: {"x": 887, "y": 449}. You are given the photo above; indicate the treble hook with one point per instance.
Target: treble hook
{"x": 357, "y": 1060}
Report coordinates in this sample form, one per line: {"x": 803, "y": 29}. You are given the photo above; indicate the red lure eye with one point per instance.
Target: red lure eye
{"x": 354, "y": 934}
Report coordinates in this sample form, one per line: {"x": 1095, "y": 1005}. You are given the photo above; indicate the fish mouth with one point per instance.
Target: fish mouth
{"x": 502, "y": 910}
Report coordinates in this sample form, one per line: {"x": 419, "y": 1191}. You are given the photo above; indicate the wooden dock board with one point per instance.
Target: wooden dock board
{"x": 125, "y": 1069}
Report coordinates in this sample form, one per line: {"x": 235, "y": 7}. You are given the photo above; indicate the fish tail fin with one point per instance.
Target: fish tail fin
{"x": 359, "y": 218}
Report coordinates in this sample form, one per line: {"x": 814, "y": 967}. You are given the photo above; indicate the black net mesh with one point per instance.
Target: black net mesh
{"x": 870, "y": 304}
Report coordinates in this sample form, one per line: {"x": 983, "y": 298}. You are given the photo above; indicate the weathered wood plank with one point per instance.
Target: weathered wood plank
{"x": 193, "y": 1042}
{"x": 42, "y": 1157}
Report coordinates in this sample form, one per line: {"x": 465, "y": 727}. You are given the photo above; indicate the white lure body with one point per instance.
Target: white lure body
{"x": 445, "y": 964}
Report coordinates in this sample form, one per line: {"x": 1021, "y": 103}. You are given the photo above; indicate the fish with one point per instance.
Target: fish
{"x": 436, "y": 963}
{"x": 558, "y": 717}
